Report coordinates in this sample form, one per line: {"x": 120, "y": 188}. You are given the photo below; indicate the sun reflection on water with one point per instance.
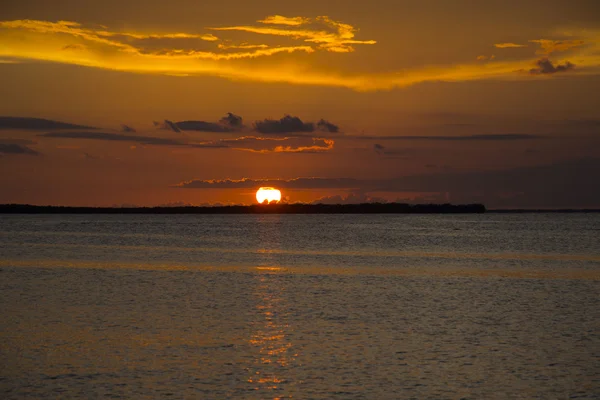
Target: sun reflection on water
{"x": 271, "y": 331}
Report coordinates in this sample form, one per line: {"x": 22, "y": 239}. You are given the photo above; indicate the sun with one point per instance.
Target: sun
{"x": 269, "y": 194}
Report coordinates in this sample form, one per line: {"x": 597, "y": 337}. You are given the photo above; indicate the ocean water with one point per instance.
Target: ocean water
{"x": 491, "y": 306}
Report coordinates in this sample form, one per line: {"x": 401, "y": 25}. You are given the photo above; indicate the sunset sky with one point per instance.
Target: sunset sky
{"x": 202, "y": 102}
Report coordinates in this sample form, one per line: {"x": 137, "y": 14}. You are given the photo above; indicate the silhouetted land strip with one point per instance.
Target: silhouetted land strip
{"x": 367, "y": 208}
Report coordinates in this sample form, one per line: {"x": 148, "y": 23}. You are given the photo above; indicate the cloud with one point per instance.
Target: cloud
{"x": 14, "y": 148}
{"x": 327, "y": 126}
{"x": 23, "y": 40}
{"x": 279, "y": 145}
{"x": 224, "y": 46}
{"x": 232, "y": 120}
{"x": 249, "y": 143}
{"x": 281, "y": 20}
{"x": 545, "y": 66}
{"x": 127, "y": 128}
{"x": 509, "y": 45}
{"x": 287, "y": 124}
{"x": 290, "y": 124}
{"x": 113, "y": 137}
{"x": 491, "y": 137}
{"x": 167, "y": 126}
{"x": 384, "y": 151}
{"x": 228, "y": 123}
{"x": 123, "y": 41}
{"x": 350, "y": 198}
{"x": 201, "y": 126}
{"x": 36, "y": 124}
{"x": 328, "y": 34}
{"x": 550, "y": 46}
{"x": 486, "y": 58}
{"x": 296, "y": 183}
{"x": 565, "y": 184}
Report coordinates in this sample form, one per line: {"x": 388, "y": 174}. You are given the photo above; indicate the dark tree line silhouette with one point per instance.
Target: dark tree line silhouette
{"x": 297, "y": 208}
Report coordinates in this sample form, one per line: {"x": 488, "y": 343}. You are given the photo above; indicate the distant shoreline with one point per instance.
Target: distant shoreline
{"x": 366, "y": 208}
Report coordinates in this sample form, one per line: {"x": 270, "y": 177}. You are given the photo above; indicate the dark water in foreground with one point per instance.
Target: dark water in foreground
{"x": 301, "y": 306}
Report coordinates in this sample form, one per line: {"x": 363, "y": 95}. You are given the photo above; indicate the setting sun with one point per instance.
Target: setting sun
{"x": 269, "y": 194}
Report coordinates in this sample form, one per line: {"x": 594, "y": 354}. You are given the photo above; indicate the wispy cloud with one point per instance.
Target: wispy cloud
{"x": 296, "y": 183}
{"x": 509, "y": 45}
{"x": 328, "y": 34}
{"x": 455, "y": 138}
{"x": 36, "y": 124}
{"x": 218, "y": 55}
{"x": 281, "y": 20}
{"x": 551, "y": 46}
{"x": 279, "y": 145}
{"x": 13, "y": 147}
{"x": 245, "y": 143}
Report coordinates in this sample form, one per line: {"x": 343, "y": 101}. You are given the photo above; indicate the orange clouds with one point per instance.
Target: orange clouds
{"x": 204, "y": 53}
{"x": 509, "y": 45}
{"x": 551, "y": 46}
{"x": 330, "y": 35}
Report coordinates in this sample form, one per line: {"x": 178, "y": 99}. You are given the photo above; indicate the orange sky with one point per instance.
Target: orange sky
{"x": 191, "y": 102}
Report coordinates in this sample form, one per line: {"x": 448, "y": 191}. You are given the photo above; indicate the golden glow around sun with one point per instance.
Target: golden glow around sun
{"x": 269, "y": 194}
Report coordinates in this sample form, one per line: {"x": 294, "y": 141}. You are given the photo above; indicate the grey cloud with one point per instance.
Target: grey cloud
{"x": 287, "y": 124}
{"x": 327, "y": 126}
{"x": 350, "y": 198}
{"x": 298, "y": 183}
{"x": 127, "y": 128}
{"x": 167, "y": 125}
{"x": 391, "y": 153}
{"x": 287, "y": 145}
{"x": 379, "y": 149}
{"x": 566, "y": 184}
{"x": 232, "y": 120}
{"x": 492, "y": 137}
{"x": 113, "y": 137}
{"x": 201, "y": 126}
{"x": 229, "y": 123}
{"x": 14, "y": 148}
{"x": 293, "y": 126}
{"x": 38, "y": 124}
{"x": 545, "y": 66}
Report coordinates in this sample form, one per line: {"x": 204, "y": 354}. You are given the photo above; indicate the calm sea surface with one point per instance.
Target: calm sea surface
{"x": 493, "y": 306}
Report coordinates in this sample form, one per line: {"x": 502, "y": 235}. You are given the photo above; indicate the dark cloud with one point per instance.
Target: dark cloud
{"x": 229, "y": 123}
{"x": 232, "y": 120}
{"x": 201, "y": 126}
{"x": 327, "y": 126}
{"x": 114, "y": 137}
{"x": 14, "y": 148}
{"x": 566, "y": 184}
{"x": 545, "y": 66}
{"x": 37, "y": 124}
{"x": 298, "y": 183}
{"x": 379, "y": 149}
{"x": 350, "y": 198}
{"x": 492, "y": 137}
{"x": 167, "y": 125}
{"x": 250, "y": 143}
{"x": 127, "y": 128}
{"x": 287, "y": 124}
{"x": 391, "y": 153}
